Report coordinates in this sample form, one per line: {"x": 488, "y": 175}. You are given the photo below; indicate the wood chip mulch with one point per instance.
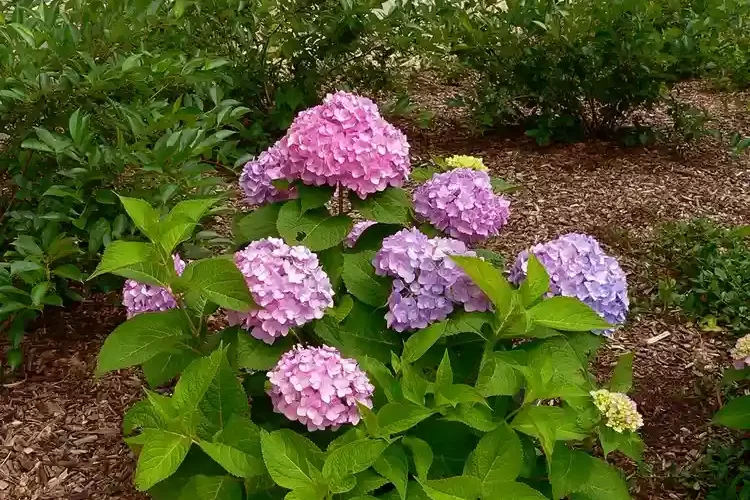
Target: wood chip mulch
{"x": 60, "y": 427}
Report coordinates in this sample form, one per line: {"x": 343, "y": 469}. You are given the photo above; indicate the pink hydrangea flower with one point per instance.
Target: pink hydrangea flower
{"x": 356, "y": 232}
{"x": 139, "y": 297}
{"x": 461, "y": 203}
{"x": 346, "y": 141}
{"x": 287, "y": 283}
{"x": 256, "y": 180}
{"x": 317, "y": 387}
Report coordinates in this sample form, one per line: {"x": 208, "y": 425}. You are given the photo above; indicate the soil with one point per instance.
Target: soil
{"x": 60, "y": 426}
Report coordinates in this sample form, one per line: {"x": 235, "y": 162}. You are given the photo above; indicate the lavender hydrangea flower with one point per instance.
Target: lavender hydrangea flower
{"x": 427, "y": 282}
{"x": 741, "y": 353}
{"x": 256, "y": 180}
{"x": 139, "y": 297}
{"x": 578, "y": 267}
{"x": 317, "y": 387}
{"x": 356, "y": 232}
{"x": 346, "y": 141}
{"x": 461, "y": 203}
{"x": 287, "y": 283}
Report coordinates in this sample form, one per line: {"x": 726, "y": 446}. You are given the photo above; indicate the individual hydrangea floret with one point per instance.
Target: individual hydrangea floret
{"x": 317, "y": 387}
{"x": 345, "y": 141}
{"x": 464, "y": 161}
{"x": 741, "y": 353}
{"x": 288, "y": 285}
{"x": 259, "y": 174}
{"x": 578, "y": 267}
{"x": 428, "y": 283}
{"x": 461, "y": 203}
{"x": 620, "y": 412}
{"x": 356, "y": 232}
{"x": 139, "y": 297}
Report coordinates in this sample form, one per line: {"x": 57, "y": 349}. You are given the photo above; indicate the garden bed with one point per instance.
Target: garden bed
{"x": 60, "y": 427}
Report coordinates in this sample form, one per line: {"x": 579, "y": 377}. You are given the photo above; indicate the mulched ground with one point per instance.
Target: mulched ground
{"x": 60, "y": 428}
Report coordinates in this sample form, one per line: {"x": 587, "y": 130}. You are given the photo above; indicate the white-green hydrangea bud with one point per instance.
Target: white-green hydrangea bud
{"x": 741, "y": 353}
{"x": 463, "y": 161}
{"x": 620, "y": 412}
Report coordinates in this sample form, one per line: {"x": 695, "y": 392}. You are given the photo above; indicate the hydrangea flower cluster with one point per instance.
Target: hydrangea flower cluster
{"x": 256, "y": 180}
{"x": 427, "y": 282}
{"x": 461, "y": 203}
{"x": 578, "y": 267}
{"x": 620, "y": 412}
{"x": 741, "y": 353}
{"x": 287, "y": 283}
{"x": 319, "y": 388}
{"x": 464, "y": 161}
{"x": 345, "y": 141}
{"x": 356, "y": 232}
{"x": 139, "y": 297}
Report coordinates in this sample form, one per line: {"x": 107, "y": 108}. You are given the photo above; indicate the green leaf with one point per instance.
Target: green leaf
{"x": 497, "y": 459}
{"x": 575, "y": 472}
{"x": 499, "y": 376}
{"x": 536, "y": 283}
{"x": 343, "y": 308}
{"x": 38, "y": 292}
{"x": 394, "y": 466}
{"x": 362, "y": 282}
{"x": 413, "y": 384}
{"x": 120, "y": 254}
{"x": 254, "y": 354}
{"x": 567, "y": 314}
{"x": 291, "y": 459}
{"x": 167, "y": 365}
{"x": 622, "y": 377}
{"x": 26, "y": 245}
{"x": 315, "y": 229}
{"x": 332, "y": 261}
{"x": 143, "y": 216}
{"x": 490, "y": 280}
{"x": 140, "y": 339}
{"x": 160, "y": 457}
{"x": 420, "y": 342}
{"x": 422, "y": 455}
{"x": 735, "y": 414}
{"x": 367, "y": 481}
{"x": 258, "y": 224}
{"x": 23, "y": 266}
{"x": 313, "y": 196}
{"x": 212, "y": 488}
{"x": 235, "y": 461}
{"x": 220, "y": 281}
{"x": 352, "y": 458}
{"x": 453, "y": 488}
{"x": 548, "y": 424}
{"x": 629, "y": 443}
{"x": 515, "y": 491}
{"x": 398, "y": 417}
{"x": 392, "y": 206}
{"x": 180, "y": 223}
{"x": 196, "y": 380}
{"x": 68, "y": 271}
{"x": 224, "y": 398}
{"x": 554, "y": 370}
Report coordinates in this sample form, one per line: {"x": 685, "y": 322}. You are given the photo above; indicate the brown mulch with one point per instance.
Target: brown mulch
{"x": 60, "y": 434}
{"x": 60, "y": 427}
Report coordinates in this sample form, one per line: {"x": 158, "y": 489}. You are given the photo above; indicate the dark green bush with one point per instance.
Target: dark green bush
{"x": 710, "y": 269}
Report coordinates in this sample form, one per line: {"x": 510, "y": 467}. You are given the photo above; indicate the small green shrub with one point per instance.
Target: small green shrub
{"x": 710, "y": 269}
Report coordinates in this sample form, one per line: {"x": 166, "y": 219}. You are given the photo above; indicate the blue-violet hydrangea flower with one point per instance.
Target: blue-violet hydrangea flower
{"x": 319, "y": 388}
{"x": 461, "y": 203}
{"x": 256, "y": 180}
{"x": 288, "y": 284}
{"x": 578, "y": 267}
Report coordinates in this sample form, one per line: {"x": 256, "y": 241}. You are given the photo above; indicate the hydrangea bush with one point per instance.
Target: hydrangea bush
{"x": 326, "y": 360}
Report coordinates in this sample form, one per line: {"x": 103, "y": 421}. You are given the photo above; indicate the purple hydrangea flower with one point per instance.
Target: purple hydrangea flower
{"x": 578, "y": 267}
{"x": 461, "y": 203}
{"x": 356, "y": 232}
{"x": 287, "y": 283}
{"x": 139, "y": 297}
{"x": 427, "y": 282}
{"x": 346, "y": 141}
{"x": 256, "y": 180}
{"x": 317, "y": 387}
